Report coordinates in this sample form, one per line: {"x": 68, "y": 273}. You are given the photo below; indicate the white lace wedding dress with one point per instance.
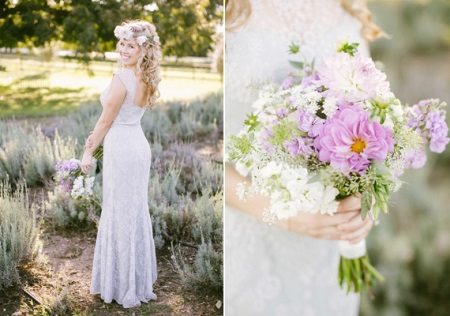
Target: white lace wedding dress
{"x": 270, "y": 271}
{"x": 124, "y": 265}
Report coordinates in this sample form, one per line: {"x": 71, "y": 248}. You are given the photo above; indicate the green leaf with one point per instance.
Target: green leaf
{"x": 294, "y": 48}
{"x": 251, "y": 122}
{"x": 297, "y": 64}
{"x": 366, "y": 203}
{"x": 349, "y": 48}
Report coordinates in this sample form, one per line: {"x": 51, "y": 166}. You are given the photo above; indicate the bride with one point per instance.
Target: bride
{"x": 290, "y": 269}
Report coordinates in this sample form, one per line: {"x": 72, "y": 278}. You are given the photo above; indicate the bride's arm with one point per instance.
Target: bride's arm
{"x": 346, "y": 224}
{"x": 110, "y": 110}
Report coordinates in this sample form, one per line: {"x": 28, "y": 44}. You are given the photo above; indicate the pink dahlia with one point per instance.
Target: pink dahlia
{"x": 349, "y": 141}
{"x": 352, "y": 78}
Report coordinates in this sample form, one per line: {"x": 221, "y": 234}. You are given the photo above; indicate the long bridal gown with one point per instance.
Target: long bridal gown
{"x": 124, "y": 265}
{"x": 270, "y": 271}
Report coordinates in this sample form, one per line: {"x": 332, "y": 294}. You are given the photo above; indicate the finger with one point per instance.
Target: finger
{"x": 328, "y": 232}
{"x": 353, "y": 224}
{"x": 359, "y": 233}
{"x": 350, "y": 203}
{"x": 337, "y": 219}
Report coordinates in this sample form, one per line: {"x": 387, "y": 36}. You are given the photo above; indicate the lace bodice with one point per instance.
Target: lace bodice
{"x": 129, "y": 114}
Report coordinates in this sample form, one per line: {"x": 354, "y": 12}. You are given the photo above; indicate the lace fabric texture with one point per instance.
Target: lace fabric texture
{"x": 124, "y": 265}
{"x": 270, "y": 271}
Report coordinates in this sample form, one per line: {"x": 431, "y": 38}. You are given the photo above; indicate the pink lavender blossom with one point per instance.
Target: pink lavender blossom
{"x": 282, "y": 112}
{"x": 305, "y": 120}
{"x": 311, "y": 81}
{"x": 350, "y": 141}
{"x": 415, "y": 159}
{"x": 287, "y": 83}
{"x": 437, "y": 131}
{"x": 265, "y": 135}
{"x": 309, "y": 123}
{"x": 299, "y": 146}
{"x": 352, "y": 79}
{"x": 429, "y": 121}
{"x": 67, "y": 165}
{"x": 66, "y": 185}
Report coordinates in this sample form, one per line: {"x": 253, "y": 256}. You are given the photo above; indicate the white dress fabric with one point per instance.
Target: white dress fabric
{"x": 271, "y": 271}
{"x": 124, "y": 265}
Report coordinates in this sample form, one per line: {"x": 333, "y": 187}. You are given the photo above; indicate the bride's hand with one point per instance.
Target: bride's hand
{"x": 86, "y": 162}
{"x": 345, "y": 224}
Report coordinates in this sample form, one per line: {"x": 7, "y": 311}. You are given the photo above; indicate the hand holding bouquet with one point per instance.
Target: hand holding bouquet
{"x": 331, "y": 132}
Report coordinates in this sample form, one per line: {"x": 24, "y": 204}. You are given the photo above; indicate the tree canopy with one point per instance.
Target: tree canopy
{"x": 185, "y": 27}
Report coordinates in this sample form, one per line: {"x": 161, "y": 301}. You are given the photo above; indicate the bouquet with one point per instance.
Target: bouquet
{"x": 70, "y": 180}
{"x": 73, "y": 198}
{"x": 330, "y": 132}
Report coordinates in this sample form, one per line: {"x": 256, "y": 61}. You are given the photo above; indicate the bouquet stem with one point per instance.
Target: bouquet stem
{"x": 355, "y": 271}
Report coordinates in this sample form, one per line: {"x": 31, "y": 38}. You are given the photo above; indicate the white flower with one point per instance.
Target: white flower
{"x": 329, "y": 106}
{"x": 328, "y": 203}
{"x": 78, "y": 187}
{"x": 271, "y": 169}
{"x": 141, "y": 39}
{"x": 82, "y": 186}
{"x": 123, "y": 32}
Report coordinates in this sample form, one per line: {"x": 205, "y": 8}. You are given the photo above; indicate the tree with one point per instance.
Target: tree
{"x": 186, "y": 27}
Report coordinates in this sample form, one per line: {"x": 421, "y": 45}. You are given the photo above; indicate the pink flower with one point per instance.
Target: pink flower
{"x": 415, "y": 159}
{"x": 350, "y": 141}
{"x": 299, "y": 146}
{"x": 352, "y": 79}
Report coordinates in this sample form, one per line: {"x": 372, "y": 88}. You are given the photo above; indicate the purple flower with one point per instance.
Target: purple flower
{"x": 265, "y": 136}
{"x": 283, "y": 112}
{"x": 415, "y": 159}
{"x": 437, "y": 131}
{"x": 305, "y": 120}
{"x": 287, "y": 83}
{"x": 309, "y": 123}
{"x": 428, "y": 120}
{"x": 66, "y": 185}
{"x": 312, "y": 80}
{"x": 299, "y": 146}
{"x": 350, "y": 141}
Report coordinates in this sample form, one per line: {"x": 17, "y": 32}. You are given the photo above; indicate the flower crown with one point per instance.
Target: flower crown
{"x": 126, "y": 33}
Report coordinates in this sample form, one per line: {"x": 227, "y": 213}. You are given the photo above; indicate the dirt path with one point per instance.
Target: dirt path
{"x": 63, "y": 283}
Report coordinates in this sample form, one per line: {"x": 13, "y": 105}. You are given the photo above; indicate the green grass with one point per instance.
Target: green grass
{"x": 20, "y": 100}
{"x": 32, "y": 88}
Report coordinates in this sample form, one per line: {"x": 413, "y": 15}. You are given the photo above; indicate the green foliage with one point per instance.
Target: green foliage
{"x": 251, "y": 122}
{"x": 19, "y": 233}
{"x": 193, "y": 21}
{"x": 349, "y": 48}
{"x": 426, "y": 21}
{"x": 186, "y": 27}
{"x": 294, "y": 48}
{"x": 206, "y": 274}
{"x": 26, "y": 153}
{"x": 207, "y": 212}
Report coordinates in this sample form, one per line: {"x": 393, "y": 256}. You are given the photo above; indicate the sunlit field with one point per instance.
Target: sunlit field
{"x": 34, "y": 88}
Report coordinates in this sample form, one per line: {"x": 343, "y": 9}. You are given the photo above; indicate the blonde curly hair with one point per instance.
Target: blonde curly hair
{"x": 150, "y": 56}
{"x": 237, "y": 13}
